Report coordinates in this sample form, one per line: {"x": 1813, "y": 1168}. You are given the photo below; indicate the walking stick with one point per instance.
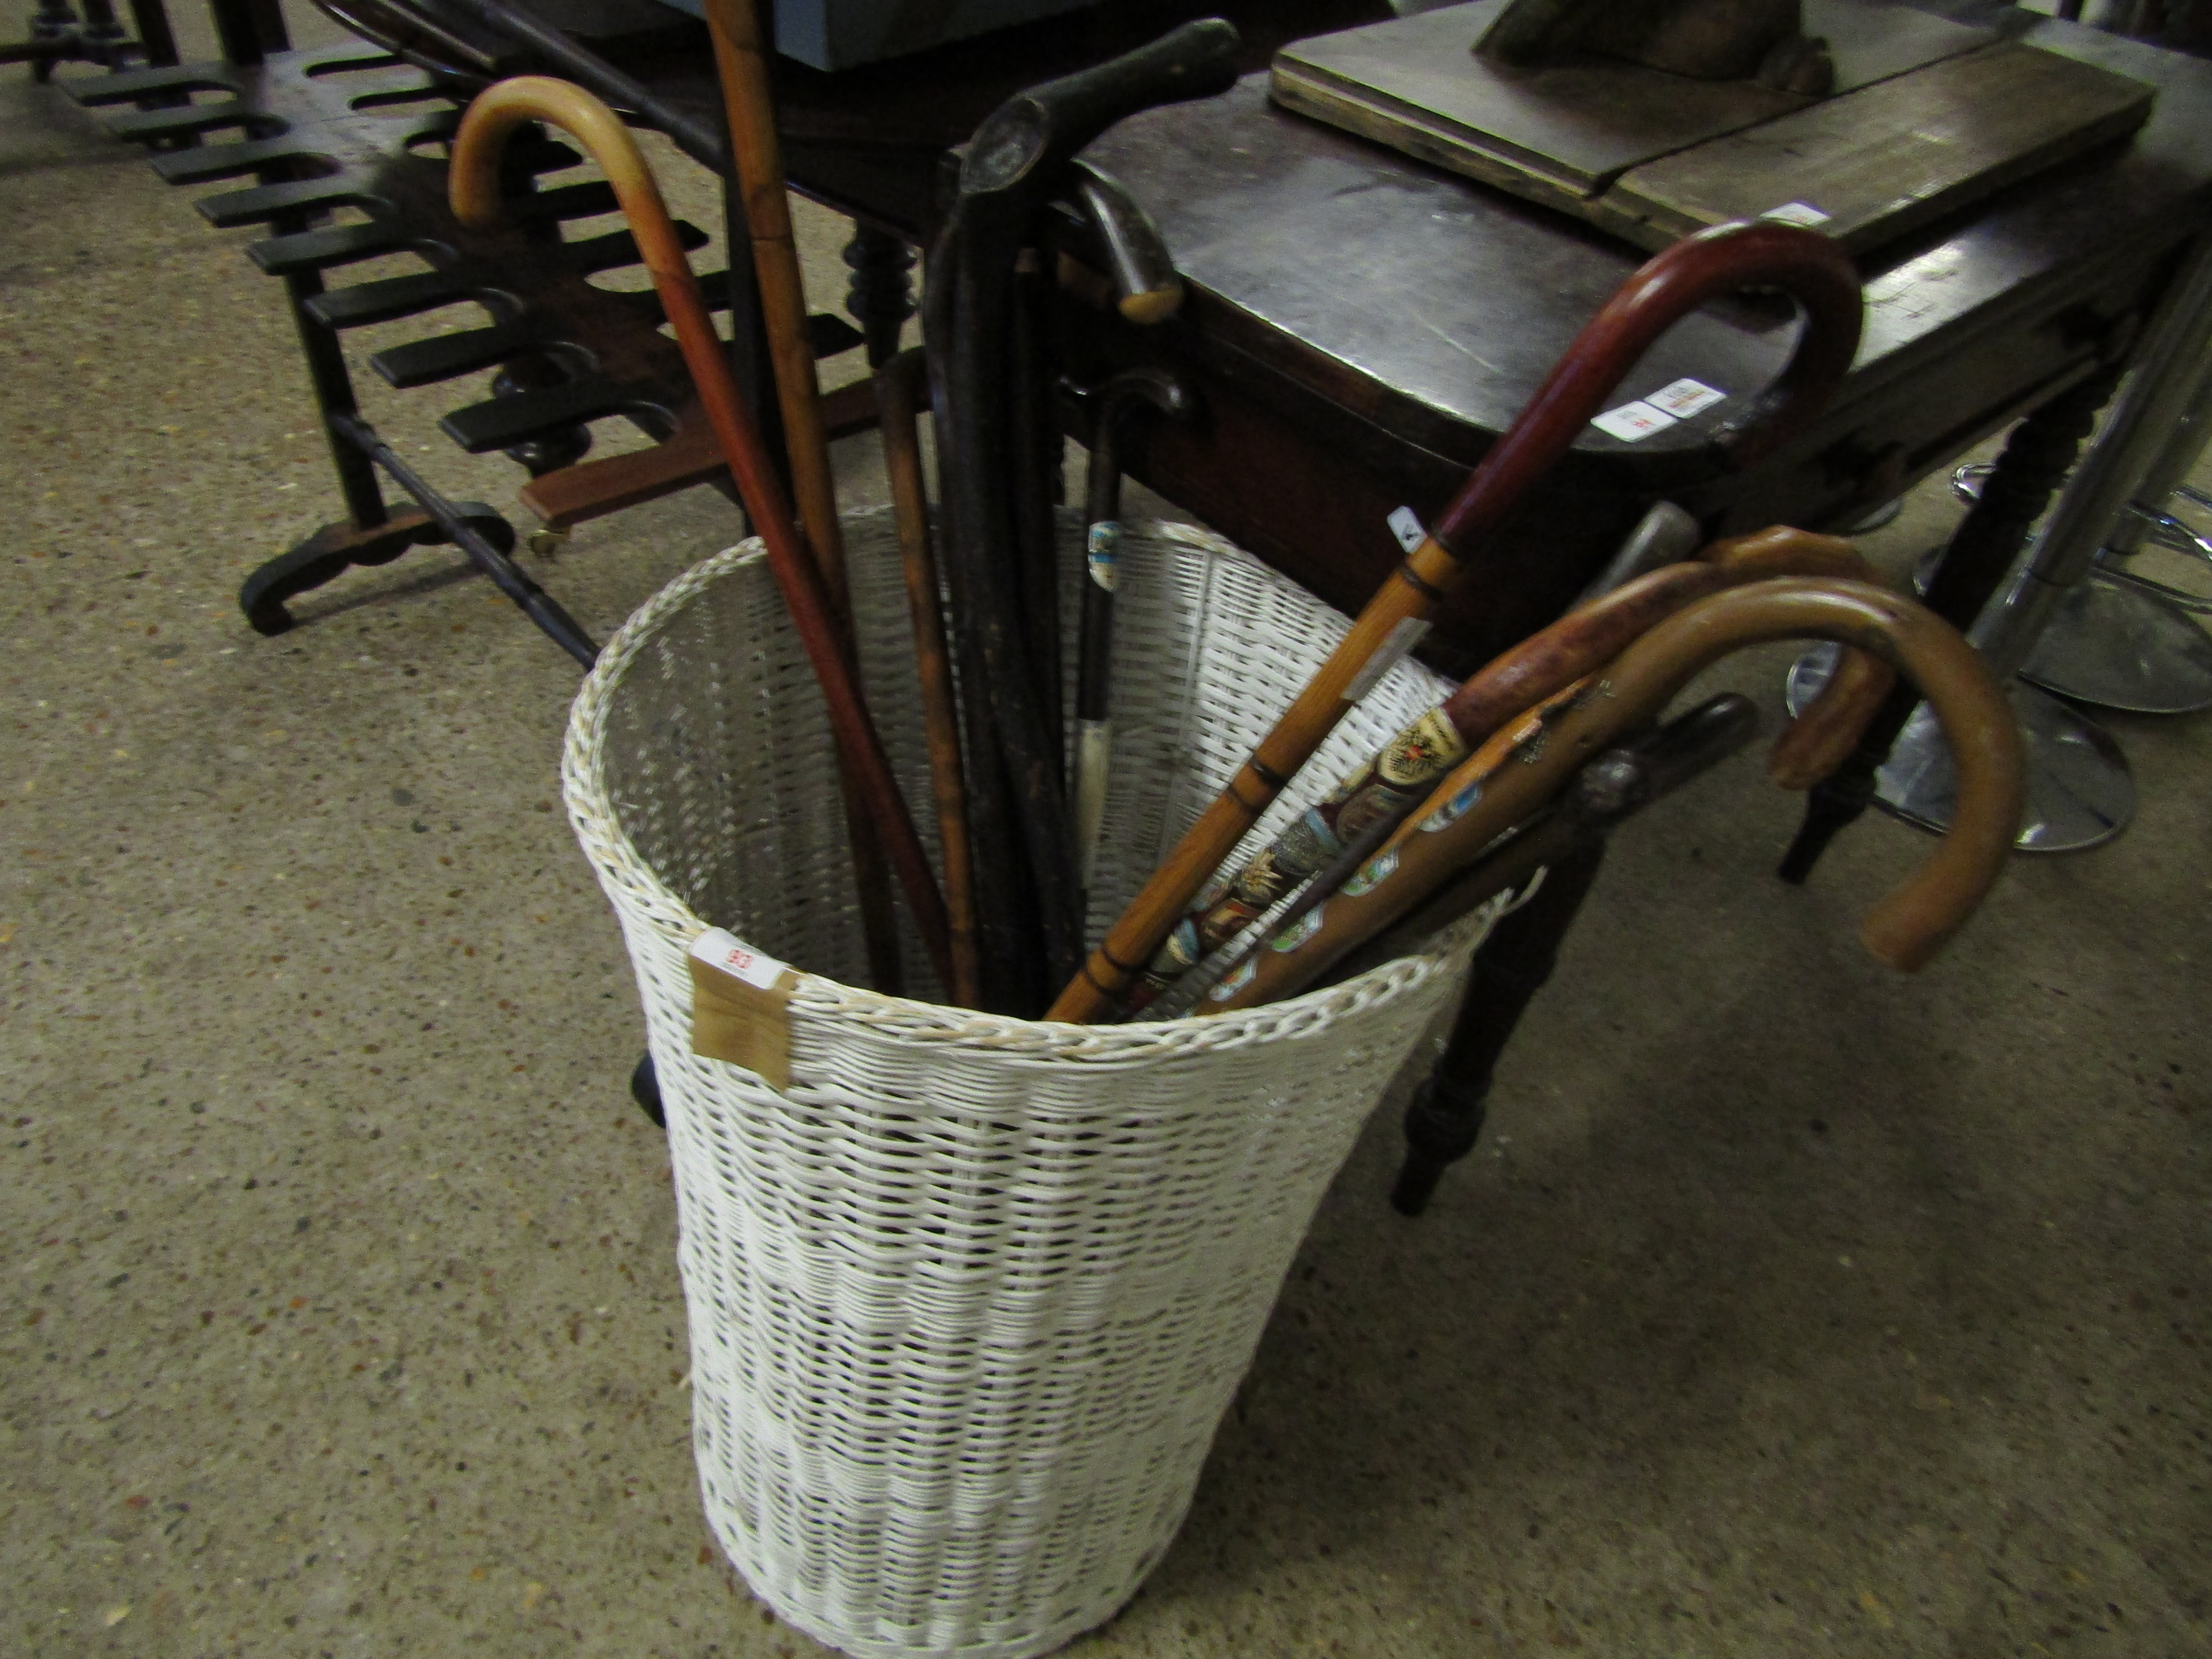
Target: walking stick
{"x": 899, "y": 384}
{"x": 1493, "y": 792}
{"x": 1330, "y": 841}
{"x": 1024, "y": 854}
{"x": 757, "y": 152}
{"x": 1608, "y": 791}
{"x": 1809, "y": 267}
{"x": 474, "y": 171}
{"x": 1119, "y": 401}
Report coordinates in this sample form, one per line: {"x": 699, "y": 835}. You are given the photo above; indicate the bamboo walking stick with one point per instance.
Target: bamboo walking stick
{"x": 757, "y": 153}
{"x": 474, "y": 171}
{"x": 1506, "y": 783}
{"x": 1809, "y": 267}
{"x": 899, "y": 384}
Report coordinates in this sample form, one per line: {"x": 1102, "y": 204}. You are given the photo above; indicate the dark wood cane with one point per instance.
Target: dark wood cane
{"x": 901, "y": 384}
{"x": 1026, "y": 886}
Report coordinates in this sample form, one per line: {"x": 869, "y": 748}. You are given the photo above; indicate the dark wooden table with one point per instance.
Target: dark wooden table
{"x": 1360, "y": 326}
{"x": 1364, "y": 325}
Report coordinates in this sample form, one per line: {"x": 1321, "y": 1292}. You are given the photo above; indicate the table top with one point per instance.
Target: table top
{"x": 1429, "y": 304}
{"x": 1437, "y": 305}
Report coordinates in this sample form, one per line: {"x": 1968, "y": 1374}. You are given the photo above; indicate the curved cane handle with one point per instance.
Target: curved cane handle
{"x": 1909, "y": 926}
{"x": 1821, "y": 738}
{"x": 1512, "y": 777}
{"x": 1725, "y": 259}
{"x": 473, "y": 173}
{"x": 473, "y": 186}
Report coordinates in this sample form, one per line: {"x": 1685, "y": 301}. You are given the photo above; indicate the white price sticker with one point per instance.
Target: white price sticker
{"x": 1406, "y": 526}
{"x": 719, "y": 948}
{"x": 1634, "y": 423}
{"x": 1798, "y": 213}
{"x": 1684, "y": 398}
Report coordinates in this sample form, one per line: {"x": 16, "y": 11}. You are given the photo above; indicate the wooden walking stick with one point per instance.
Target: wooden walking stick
{"x": 1808, "y": 267}
{"x": 1329, "y": 840}
{"x": 1018, "y": 807}
{"x": 474, "y": 184}
{"x": 757, "y": 153}
{"x": 1506, "y": 783}
{"x": 901, "y": 384}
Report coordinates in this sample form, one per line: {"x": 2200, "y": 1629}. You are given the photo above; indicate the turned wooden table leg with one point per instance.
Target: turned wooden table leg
{"x": 1443, "y": 1119}
{"x": 881, "y": 295}
{"x": 2035, "y": 460}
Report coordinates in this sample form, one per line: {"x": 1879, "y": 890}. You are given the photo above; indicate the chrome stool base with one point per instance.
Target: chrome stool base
{"x": 2117, "y": 641}
{"x": 2080, "y": 791}
{"x": 2120, "y": 648}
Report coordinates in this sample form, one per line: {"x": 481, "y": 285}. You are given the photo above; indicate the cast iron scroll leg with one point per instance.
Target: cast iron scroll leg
{"x": 370, "y": 533}
{"x": 54, "y": 20}
{"x": 1444, "y": 1117}
{"x": 159, "y": 41}
{"x": 1974, "y": 566}
{"x": 249, "y": 30}
{"x": 368, "y": 536}
{"x": 881, "y": 295}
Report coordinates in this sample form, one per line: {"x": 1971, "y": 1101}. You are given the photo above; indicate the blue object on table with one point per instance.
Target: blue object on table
{"x": 836, "y": 35}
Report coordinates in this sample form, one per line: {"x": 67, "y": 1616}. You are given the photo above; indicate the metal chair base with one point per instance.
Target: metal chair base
{"x": 2120, "y": 648}
{"x": 2079, "y": 791}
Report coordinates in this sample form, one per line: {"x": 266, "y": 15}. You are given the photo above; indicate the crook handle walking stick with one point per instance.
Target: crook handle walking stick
{"x": 1493, "y": 792}
{"x": 474, "y": 171}
{"x": 1810, "y": 268}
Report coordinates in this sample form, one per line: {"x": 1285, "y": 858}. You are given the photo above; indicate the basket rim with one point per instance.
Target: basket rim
{"x": 599, "y": 832}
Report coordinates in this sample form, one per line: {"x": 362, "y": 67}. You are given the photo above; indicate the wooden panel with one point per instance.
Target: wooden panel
{"x": 1885, "y": 159}
{"x": 1568, "y": 130}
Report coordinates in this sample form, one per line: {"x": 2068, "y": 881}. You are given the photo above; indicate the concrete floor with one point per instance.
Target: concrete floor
{"x": 1790, "y": 1307}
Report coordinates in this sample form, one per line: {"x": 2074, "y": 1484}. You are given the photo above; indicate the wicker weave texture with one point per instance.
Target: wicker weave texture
{"x": 968, "y": 1298}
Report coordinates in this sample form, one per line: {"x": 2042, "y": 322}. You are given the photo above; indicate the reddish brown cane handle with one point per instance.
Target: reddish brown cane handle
{"x": 1810, "y": 268}
{"x": 1904, "y": 930}
{"x": 1726, "y": 259}
{"x": 474, "y": 187}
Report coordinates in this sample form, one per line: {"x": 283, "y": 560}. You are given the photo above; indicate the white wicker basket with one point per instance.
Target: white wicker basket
{"x": 968, "y": 1297}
